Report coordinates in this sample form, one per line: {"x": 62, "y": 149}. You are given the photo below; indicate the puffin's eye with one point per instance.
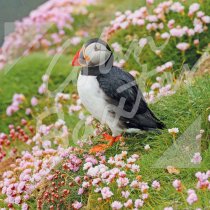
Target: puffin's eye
{"x": 96, "y": 48}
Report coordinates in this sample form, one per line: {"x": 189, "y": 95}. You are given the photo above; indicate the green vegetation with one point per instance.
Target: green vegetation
{"x": 179, "y": 110}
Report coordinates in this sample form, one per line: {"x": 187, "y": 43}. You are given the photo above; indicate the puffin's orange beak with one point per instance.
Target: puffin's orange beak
{"x": 75, "y": 61}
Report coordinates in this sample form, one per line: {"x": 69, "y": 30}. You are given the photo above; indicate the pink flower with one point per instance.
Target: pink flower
{"x": 135, "y": 168}
{"x": 21, "y": 187}
{"x": 177, "y": 185}
{"x": 190, "y": 32}
{"x": 145, "y": 196}
{"x": 177, "y": 7}
{"x": 196, "y": 42}
{"x": 42, "y": 89}
{"x": 77, "y": 205}
{"x": 128, "y": 204}
{"x": 80, "y": 191}
{"x": 142, "y": 42}
{"x": 24, "y": 206}
{"x": 120, "y": 64}
{"x": 192, "y": 197}
{"x": 139, "y": 203}
{"x": 96, "y": 181}
{"x": 165, "y": 35}
{"x": 116, "y": 46}
{"x": 177, "y": 32}
{"x": 206, "y": 19}
{"x": 134, "y": 73}
{"x": 171, "y": 23}
{"x": 193, "y": 8}
{"x": 106, "y": 193}
{"x": 134, "y": 184}
{"x": 200, "y": 14}
{"x": 11, "y": 109}
{"x": 77, "y": 179}
{"x": 147, "y": 147}
{"x": 17, "y": 200}
{"x": 203, "y": 180}
{"x": 18, "y": 98}
{"x": 116, "y": 205}
{"x": 196, "y": 158}
{"x": 56, "y": 38}
{"x": 173, "y": 130}
{"x": 45, "y": 78}
{"x": 168, "y": 208}
{"x": 74, "y": 108}
{"x": 28, "y": 111}
{"x": 122, "y": 182}
{"x": 87, "y": 165}
{"x": 16, "y": 101}
{"x": 150, "y": 1}
{"x": 156, "y": 184}
{"x": 143, "y": 186}
{"x": 125, "y": 194}
{"x": 34, "y": 101}
{"x": 75, "y": 40}
{"x": 89, "y": 120}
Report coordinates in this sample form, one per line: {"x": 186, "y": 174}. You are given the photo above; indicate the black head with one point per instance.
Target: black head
{"x": 94, "y": 55}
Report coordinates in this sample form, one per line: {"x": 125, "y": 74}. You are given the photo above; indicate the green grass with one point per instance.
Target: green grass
{"x": 25, "y": 77}
{"x": 179, "y": 110}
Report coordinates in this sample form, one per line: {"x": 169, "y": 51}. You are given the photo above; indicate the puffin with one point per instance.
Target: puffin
{"x": 111, "y": 94}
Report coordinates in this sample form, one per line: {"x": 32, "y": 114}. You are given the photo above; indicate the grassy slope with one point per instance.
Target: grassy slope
{"x": 25, "y": 76}
{"x": 178, "y": 110}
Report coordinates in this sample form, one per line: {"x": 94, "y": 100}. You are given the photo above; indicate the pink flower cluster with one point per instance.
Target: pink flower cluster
{"x": 155, "y": 21}
{"x": 177, "y": 185}
{"x": 167, "y": 66}
{"x": 203, "y": 180}
{"x": 196, "y": 158}
{"x": 3, "y": 142}
{"x": 117, "y": 47}
{"x": 203, "y": 184}
{"x": 43, "y": 87}
{"x": 31, "y": 32}
{"x": 183, "y": 46}
{"x": 192, "y": 197}
{"x": 118, "y": 172}
{"x": 158, "y": 90}
{"x": 28, "y": 172}
{"x": 73, "y": 163}
{"x": 156, "y": 184}
{"x": 120, "y": 63}
{"x": 17, "y": 100}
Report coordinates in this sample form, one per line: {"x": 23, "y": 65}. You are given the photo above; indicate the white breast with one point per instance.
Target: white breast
{"x": 92, "y": 97}
{"x": 94, "y": 100}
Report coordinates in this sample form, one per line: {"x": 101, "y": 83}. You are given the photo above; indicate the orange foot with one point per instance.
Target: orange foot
{"x": 111, "y": 139}
{"x": 103, "y": 147}
{"x": 98, "y": 148}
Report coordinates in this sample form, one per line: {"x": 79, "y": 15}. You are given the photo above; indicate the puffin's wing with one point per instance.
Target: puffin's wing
{"x": 120, "y": 85}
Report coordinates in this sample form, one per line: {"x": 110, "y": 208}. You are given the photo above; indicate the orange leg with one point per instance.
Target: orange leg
{"x": 114, "y": 139}
{"x": 98, "y": 148}
{"x": 103, "y": 147}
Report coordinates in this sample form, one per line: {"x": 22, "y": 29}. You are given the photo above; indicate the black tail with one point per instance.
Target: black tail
{"x": 159, "y": 124}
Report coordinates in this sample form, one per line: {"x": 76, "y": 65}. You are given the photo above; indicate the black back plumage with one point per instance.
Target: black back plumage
{"x": 122, "y": 91}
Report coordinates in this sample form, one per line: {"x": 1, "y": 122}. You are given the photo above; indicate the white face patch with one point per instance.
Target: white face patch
{"x": 96, "y": 54}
